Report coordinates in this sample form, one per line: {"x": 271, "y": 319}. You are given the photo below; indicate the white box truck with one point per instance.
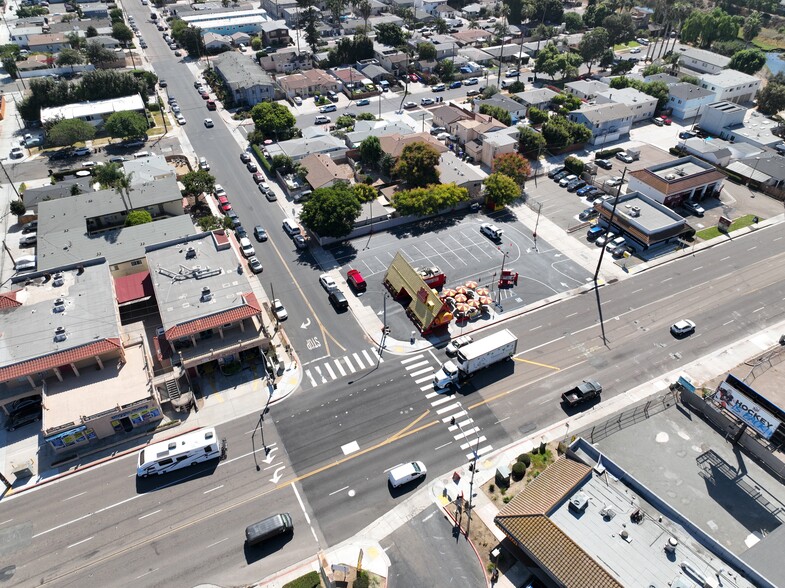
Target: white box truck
{"x": 476, "y": 356}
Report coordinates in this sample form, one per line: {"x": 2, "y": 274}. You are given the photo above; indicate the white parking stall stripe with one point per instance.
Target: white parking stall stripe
{"x": 349, "y": 364}
{"x": 421, "y": 372}
{"x": 456, "y": 415}
{"x": 426, "y": 387}
{"x": 339, "y": 367}
{"x": 358, "y": 360}
{"x": 446, "y": 408}
{"x": 425, "y": 379}
{"x": 416, "y": 365}
{"x": 465, "y": 434}
{"x": 310, "y": 377}
{"x": 441, "y": 401}
{"x": 466, "y": 446}
{"x": 368, "y": 357}
{"x": 411, "y": 359}
{"x": 330, "y": 371}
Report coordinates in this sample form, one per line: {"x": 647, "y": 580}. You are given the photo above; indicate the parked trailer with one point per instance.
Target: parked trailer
{"x": 476, "y": 356}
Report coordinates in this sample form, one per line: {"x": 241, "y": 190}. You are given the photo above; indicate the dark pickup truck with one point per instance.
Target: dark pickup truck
{"x": 584, "y": 392}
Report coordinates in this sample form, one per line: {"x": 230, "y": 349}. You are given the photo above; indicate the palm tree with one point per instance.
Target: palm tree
{"x": 473, "y": 24}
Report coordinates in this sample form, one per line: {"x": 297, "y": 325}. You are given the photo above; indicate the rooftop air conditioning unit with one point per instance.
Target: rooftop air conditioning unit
{"x": 206, "y": 294}
{"x": 190, "y": 253}
{"x": 635, "y": 211}
{"x": 579, "y": 502}
{"x": 59, "y": 305}
{"x": 670, "y": 177}
{"x": 60, "y": 334}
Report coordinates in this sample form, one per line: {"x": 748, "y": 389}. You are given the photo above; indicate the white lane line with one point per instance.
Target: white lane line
{"x": 302, "y": 506}
{"x": 729, "y": 322}
{"x": 753, "y": 247}
{"x": 315, "y": 360}
{"x": 446, "y": 408}
{"x": 330, "y": 371}
{"x": 368, "y": 357}
{"x": 501, "y": 420}
{"x": 349, "y": 364}
{"x": 535, "y": 328}
{"x": 88, "y": 515}
{"x": 339, "y": 367}
{"x": 411, "y": 359}
{"x": 777, "y": 239}
{"x": 8, "y": 521}
{"x": 758, "y": 309}
{"x": 442, "y": 446}
{"x": 79, "y": 542}
{"x": 337, "y": 491}
{"x": 442, "y": 400}
{"x": 666, "y": 280}
{"x": 571, "y": 315}
{"x": 725, "y": 258}
{"x": 700, "y": 267}
{"x": 427, "y": 370}
{"x": 155, "y": 570}
{"x": 456, "y": 415}
{"x": 636, "y": 291}
{"x": 77, "y": 495}
{"x": 541, "y": 345}
{"x": 358, "y": 360}
{"x": 421, "y": 380}
{"x": 213, "y": 489}
{"x": 416, "y": 365}
{"x": 149, "y": 514}
{"x": 217, "y": 542}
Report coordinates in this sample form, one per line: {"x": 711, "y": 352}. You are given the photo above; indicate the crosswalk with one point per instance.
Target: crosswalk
{"x": 447, "y": 407}
{"x": 328, "y": 369}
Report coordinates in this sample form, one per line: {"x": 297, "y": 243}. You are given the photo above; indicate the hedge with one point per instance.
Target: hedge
{"x": 605, "y": 153}
{"x": 262, "y": 159}
{"x": 309, "y": 580}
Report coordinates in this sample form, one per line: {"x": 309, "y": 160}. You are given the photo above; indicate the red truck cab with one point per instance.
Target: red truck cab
{"x": 356, "y": 280}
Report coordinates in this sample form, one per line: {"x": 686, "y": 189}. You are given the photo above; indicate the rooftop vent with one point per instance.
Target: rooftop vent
{"x": 59, "y": 305}
{"x": 670, "y": 177}
{"x": 190, "y": 253}
{"x": 635, "y": 211}
{"x": 206, "y": 294}
{"x": 58, "y": 280}
{"x": 670, "y": 546}
{"x": 60, "y": 334}
{"x": 579, "y": 502}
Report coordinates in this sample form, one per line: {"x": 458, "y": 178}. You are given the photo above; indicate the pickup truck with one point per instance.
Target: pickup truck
{"x": 356, "y": 280}
{"x": 584, "y": 392}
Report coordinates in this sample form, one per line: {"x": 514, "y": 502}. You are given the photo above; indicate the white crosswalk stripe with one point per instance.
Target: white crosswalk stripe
{"x": 330, "y": 371}
{"x": 474, "y": 442}
{"x": 441, "y": 401}
{"x": 319, "y": 371}
{"x": 358, "y": 360}
{"x": 339, "y": 366}
{"x": 368, "y": 357}
{"x": 425, "y": 379}
{"x": 482, "y": 451}
{"x": 447, "y": 419}
{"x": 411, "y": 359}
{"x": 431, "y": 395}
{"x": 428, "y": 370}
{"x": 414, "y": 366}
{"x": 377, "y": 356}
{"x": 466, "y": 433}
{"x": 334, "y": 368}
{"x": 428, "y": 387}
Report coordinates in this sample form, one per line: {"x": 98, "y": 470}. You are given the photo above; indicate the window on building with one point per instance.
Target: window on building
{"x": 136, "y": 262}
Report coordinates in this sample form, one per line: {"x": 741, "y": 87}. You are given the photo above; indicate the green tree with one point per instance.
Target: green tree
{"x": 282, "y": 163}
{"x": 752, "y": 27}
{"x": 68, "y": 132}
{"x": 652, "y": 69}
{"x": 489, "y": 91}
{"x": 513, "y": 165}
{"x": 771, "y": 98}
{"x": 426, "y": 51}
{"x": 364, "y": 8}
{"x": 309, "y": 22}
{"x": 336, "y": 8}
{"x": 122, "y": 33}
{"x": 18, "y": 207}
{"x": 442, "y": 28}
{"x": 273, "y": 120}
{"x": 364, "y": 192}
{"x": 690, "y": 80}
{"x": 331, "y": 212}
{"x": 547, "y": 60}
{"x": 445, "y": 69}
{"x": 208, "y": 223}
{"x": 749, "y": 61}
{"x": 501, "y": 189}
{"x": 593, "y": 45}
{"x": 416, "y": 165}
{"x": 496, "y": 112}
{"x": 516, "y": 86}
{"x": 530, "y": 141}
{"x": 116, "y": 15}
{"x": 537, "y": 116}
{"x": 9, "y": 65}
{"x": 138, "y": 217}
{"x": 703, "y": 28}
{"x": 98, "y": 55}
{"x": 126, "y": 125}
{"x": 428, "y": 201}
{"x": 371, "y": 150}
{"x": 192, "y": 41}
{"x": 256, "y": 43}
{"x": 622, "y": 67}
{"x": 108, "y": 174}
{"x": 390, "y": 34}
{"x": 573, "y": 21}
{"x": 69, "y": 57}
{"x": 366, "y": 116}
{"x": 620, "y": 28}
{"x": 344, "y": 122}
{"x": 350, "y": 50}
{"x": 90, "y": 32}
{"x": 198, "y": 181}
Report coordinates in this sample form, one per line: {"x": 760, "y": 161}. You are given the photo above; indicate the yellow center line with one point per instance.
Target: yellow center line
{"x": 409, "y": 426}
{"x": 545, "y": 365}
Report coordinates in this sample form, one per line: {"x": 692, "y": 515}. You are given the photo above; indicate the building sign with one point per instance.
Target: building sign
{"x": 743, "y": 407}
{"x": 723, "y": 224}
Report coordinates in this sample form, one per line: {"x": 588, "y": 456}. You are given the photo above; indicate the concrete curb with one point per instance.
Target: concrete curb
{"x": 474, "y": 548}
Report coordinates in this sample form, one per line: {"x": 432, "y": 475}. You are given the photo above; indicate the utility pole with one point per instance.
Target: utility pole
{"x": 610, "y": 224}
{"x": 10, "y": 181}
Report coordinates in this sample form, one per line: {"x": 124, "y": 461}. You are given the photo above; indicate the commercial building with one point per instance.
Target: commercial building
{"x": 94, "y": 112}
{"x": 248, "y": 83}
{"x": 735, "y": 123}
{"x": 674, "y": 182}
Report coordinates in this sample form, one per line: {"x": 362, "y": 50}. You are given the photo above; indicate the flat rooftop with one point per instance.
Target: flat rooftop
{"x": 96, "y": 391}
{"x": 87, "y": 314}
{"x": 181, "y": 272}
{"x": 653, "y": 217}
{"x": 679, "y": 169}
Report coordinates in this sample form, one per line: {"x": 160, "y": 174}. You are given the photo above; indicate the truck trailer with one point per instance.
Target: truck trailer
{"x": 476, "y": 356}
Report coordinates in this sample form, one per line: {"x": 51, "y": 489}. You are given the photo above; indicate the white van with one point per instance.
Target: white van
{"x": 247, "y": 247}
{"x": 291, "y": 227}
{"x": 491, "y": 231}
{"x": 406, "y": 472}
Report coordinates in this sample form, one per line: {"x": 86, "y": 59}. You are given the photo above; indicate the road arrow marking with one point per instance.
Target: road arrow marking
{"x": 306, "y": 324}
{"x": 276, "y": 476}
{"x": 270, "y": 456}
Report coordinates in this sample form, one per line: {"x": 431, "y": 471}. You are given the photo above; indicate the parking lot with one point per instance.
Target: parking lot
{"x": 456, "y": 246}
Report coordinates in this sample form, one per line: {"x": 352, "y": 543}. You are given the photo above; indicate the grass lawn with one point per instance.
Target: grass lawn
{"x": 769, "y": 40}
{"x": 739, "y": 223}
{"x": 627, "y": 45}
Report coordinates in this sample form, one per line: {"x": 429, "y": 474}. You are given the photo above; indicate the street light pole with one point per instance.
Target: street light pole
{"x": 499, "y": 290}
{"x": 471, "y": 484}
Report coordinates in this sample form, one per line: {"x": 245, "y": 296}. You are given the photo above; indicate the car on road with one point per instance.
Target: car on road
{"x": 178, "y": 53}
{"x": 328, "y": 108}
{"x": 327, "y": 282}
{"x": 635, "y": 50}
{"x": 363, "y": 102}
{"x": 694, "y": 208}
{"x": 643, "y": 41}
{"x": 604, "y": 163}
{"x": 260, "y": 233}
{"x": 565, "y": 181}
{"x": 471, "y": 82}
{"x": 279, "y": 310}
{"x": 81, "y": 151}
{"x": 218, "y": 190}
{"x": 208, "y": 122}
{"x": 321, "y": 120}
{"x": 224, "y": 204}
{"x": 589, "y": 214}
{"x": 181, "y": 119}
{"x": 269, "y": 194}
{"x": 300, "y": 242}
{"x": 472, "y": 93}
{"x": 203, "y": 164}
{"x": 240, "y": 232}
{"x": 162, "y": 83}
{"x": 625, "y": 157}
{"x": 17, "y": 152}
{"x": 175, "y": 108}
{"x": 457, "y": 343}
{"x": 682, "y": 328}
{"x": 117, "y": 159}
{"x": 211, "y": 105}
{"x": 439, "y": 88}
{"x": 427, "y": 101}
{"x": 24, "y": 416}
{"x": 410, "y": 104}
{"x": 255, "y": 265}
{"x": 251, "y": 167}
{"x": 455, "y": 84}
{"x": 245, "y": 157}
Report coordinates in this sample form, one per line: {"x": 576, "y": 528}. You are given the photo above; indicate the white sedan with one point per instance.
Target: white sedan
{"x": 327, "y": 282}
{"x": 682, "y": 327}
{"x": 279, "y": 310}
{"x": 180, "y": 119}
{"x": 208, "y": 122}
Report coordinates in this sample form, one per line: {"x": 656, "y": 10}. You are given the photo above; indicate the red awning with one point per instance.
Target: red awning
{"x": 133, "y": 288}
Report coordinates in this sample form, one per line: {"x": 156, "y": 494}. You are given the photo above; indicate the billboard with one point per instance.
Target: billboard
{"x": 760, "y": 419}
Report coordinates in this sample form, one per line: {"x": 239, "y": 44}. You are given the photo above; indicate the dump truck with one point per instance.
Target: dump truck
{"x": 476, "y": 356}
{"x": 585, "y": 391}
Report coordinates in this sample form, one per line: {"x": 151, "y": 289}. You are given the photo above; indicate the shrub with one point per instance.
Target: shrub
{"x": 309, "y": 580}
{"x": 363, "y": 580}
{"x": 543, "y": 448}
{"x": 491, "y": 488}
{"x": 574, "y": 165}
{"x": 507, "y": 499}
{"x": 518, "y": 469}
{"x": 525, "y": 459}
{"x": 606, "y": 153}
